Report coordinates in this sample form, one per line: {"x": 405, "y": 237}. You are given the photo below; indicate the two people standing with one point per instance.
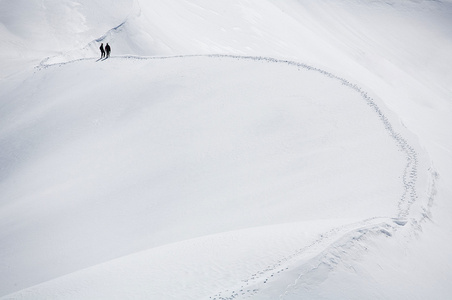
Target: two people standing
{"x": 105, "y": 53}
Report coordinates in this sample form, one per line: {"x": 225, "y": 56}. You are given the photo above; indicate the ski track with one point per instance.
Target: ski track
{"x": 331, "y": 245}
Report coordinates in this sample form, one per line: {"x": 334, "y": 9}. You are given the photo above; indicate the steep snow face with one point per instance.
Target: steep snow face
{"x": 100, "y": 159}
{"x": 381, "y": 36}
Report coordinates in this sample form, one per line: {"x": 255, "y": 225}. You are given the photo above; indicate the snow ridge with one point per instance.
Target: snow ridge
{"x": 330, "y": 245}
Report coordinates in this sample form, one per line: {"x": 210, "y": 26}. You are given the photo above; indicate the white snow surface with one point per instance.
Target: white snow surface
{"x": 240, "y": 149}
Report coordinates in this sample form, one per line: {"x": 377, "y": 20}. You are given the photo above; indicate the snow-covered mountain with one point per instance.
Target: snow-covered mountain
{"x": 237, "y": 149}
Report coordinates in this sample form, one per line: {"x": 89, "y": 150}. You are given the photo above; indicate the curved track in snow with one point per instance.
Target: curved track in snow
{"x": 330, "y": 247}
{"x": 410, "y": 173}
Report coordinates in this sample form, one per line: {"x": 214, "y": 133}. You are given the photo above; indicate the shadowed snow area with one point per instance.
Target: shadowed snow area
{"x": 227, "y": 149}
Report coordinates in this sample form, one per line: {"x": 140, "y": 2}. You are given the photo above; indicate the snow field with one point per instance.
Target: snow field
{"x": 246, "y": 173}
{"x": 149, "y": 150}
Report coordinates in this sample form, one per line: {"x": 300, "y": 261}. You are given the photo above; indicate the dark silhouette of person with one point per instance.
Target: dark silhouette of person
{"x": 108, "y": 50}
{"x": 102, "y": 51}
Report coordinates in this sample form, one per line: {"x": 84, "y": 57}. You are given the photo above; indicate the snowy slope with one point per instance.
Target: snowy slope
{"x": 307, "y": 161}
{"x": 183, "y": 153}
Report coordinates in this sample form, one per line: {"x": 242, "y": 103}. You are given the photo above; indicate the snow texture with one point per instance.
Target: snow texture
{"x": 236, "y": 149}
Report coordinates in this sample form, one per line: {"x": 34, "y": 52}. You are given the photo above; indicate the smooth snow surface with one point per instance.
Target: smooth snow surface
{"x": 227, "y": 150}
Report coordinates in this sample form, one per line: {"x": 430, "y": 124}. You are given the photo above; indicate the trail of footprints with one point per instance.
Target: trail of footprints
{"x": 330, "y": 239}
{"x": 354, "y": 232}
{"x": 409, "y": 196}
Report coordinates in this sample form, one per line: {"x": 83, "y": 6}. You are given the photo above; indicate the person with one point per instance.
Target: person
{"x": 108, "y": 50}
{"x": 102, "y": 51}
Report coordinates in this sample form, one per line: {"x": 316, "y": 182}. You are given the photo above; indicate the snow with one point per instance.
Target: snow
{"x": 227, "y": 149}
